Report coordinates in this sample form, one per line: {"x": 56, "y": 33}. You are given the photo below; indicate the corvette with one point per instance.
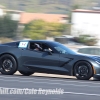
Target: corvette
{"x": 53, "y": 57}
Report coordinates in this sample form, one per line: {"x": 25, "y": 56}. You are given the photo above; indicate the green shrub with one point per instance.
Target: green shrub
{"x": 86, "y": 39}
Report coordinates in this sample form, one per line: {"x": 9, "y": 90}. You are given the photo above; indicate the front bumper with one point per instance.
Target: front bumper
{"x": 97, "y": 76}
{"x": 96, "y": 69}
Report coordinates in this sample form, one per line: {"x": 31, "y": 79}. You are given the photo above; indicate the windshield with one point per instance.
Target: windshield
{"x": 62, "y": 48}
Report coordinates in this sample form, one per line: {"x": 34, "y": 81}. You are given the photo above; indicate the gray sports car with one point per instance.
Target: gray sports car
{"x": 43, "y": 56}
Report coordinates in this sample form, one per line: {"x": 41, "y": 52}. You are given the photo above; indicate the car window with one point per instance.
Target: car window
{"x": 84, "y": 50}
{"x": 61, "y": 50}
{"x": 35, "y": 46}
{"x": 44, "y": 46}
{"x": 23, "y": 44}
{"x": 93, "y": 51}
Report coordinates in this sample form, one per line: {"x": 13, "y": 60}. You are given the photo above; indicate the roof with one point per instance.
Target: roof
{"x": 42, "y": 41}
{"x": 38, "y": 41}
{"x": 28, "y": 17}
{"x": 86, "y": 11}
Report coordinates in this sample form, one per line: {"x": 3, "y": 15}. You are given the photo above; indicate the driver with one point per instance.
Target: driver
{"x": 37, "y": 47}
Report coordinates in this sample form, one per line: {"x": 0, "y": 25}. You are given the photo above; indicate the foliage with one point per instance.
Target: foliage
{"x": 86, "y": 39}
{"x": 54, "y": 29}
{"x": 75, "y": 7}
{"x": 8, "y": 27}
{"x": 39, "y": 29}
{"x": 5, "y": 40}
{"x": 35, "y": 29}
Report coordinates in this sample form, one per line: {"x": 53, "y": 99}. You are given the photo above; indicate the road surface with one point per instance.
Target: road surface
{"x": 73, "y": 89}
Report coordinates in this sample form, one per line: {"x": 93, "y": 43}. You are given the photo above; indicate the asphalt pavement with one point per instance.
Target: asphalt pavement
{"x": 72, "y": 88}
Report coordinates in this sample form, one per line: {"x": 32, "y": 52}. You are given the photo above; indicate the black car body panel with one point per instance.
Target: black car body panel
{"x": 40, "y": 61}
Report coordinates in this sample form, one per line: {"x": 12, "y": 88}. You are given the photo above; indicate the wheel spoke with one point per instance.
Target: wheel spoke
{"x": 7, "y": 64}
{"x": 83, "y": 70}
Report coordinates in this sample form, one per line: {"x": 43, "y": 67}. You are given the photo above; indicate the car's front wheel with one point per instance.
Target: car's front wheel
{"x": 83, "y": 70}
{"x": 26, "y": 73}
{"x": 8, "y": 64}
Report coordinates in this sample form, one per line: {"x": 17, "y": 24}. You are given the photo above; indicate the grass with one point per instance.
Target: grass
{"x": 43, "y": 6}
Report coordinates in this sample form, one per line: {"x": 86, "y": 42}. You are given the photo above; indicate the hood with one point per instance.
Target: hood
{"x": 89, "y": 55}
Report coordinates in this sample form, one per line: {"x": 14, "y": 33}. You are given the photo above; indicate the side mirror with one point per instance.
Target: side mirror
{"x": 48, "y": 51}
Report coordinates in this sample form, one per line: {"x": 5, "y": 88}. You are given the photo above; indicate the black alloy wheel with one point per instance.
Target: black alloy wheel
{"x": 8, "y": 64}
{"x": 83, "y": 70}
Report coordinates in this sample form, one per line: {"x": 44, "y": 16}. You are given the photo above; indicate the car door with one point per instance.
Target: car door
{"x": 40, "y": 61}
{"x": 65, "y": 62}
{"x": 65, "y": 58}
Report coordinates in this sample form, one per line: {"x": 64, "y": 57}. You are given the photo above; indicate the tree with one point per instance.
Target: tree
{"x": 35, "y": 30}
{"x": 39, "y": 29}
{"x": 8, "y": 27}
{"x": 55, "y": 29}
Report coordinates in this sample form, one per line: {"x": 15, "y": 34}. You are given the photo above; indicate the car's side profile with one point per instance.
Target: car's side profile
{"x": 93, "y": 50}
{"x": 53, "y": 58}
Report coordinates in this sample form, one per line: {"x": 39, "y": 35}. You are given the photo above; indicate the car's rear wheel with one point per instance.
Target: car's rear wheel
{"x": 83, "y": 70}
{"x": 8, "y": 64}
{"x": 26, "y": 73}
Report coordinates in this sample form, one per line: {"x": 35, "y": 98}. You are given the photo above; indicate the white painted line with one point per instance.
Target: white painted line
{"x": 85, "y": 94}
{"x": 50, "y": 83}
{"x": 53, "y": 80}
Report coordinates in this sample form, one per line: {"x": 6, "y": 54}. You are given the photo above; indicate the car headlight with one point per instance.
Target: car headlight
{"x": 97, "y": 59}
{"x": 97, "y": 62}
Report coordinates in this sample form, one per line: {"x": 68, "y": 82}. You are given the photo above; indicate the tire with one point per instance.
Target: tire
{"x": 26, "y": 73}
{"x": 83, "y": 70}
{"x": 8, "y": 64}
